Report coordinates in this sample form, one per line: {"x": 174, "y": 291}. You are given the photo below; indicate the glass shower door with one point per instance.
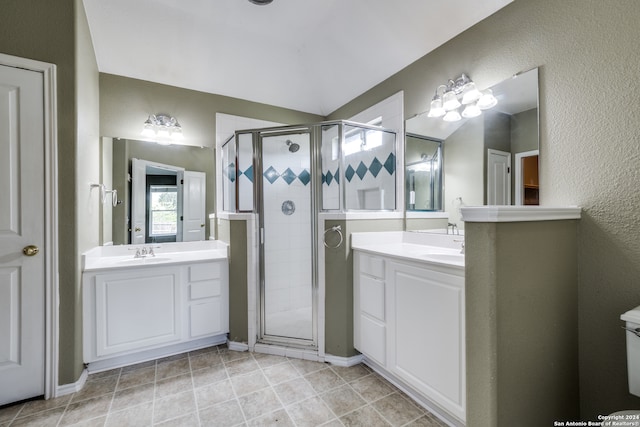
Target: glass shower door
{"x": 287, "y": 240}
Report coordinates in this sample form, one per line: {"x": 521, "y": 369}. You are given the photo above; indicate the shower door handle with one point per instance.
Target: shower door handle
{"x": 262, "y": 236}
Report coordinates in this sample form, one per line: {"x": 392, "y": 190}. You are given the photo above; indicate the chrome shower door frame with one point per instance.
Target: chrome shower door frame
{"x": 258, "y": 136}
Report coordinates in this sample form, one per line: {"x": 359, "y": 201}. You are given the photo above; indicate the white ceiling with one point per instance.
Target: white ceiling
{"x": 307, "y": 55}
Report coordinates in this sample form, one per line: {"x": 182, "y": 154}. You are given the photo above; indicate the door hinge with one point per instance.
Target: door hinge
{"x": 508, "y": 170}
{"x": 182, "y": 181}
{"x": 181, "y": 218}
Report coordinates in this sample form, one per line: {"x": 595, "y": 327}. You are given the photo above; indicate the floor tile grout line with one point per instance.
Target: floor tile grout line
{"x": 244, "y": 416}
{"x": 106, "y": 418}
{"x": 284, "y": 407}
{"x": 193, "y": 391}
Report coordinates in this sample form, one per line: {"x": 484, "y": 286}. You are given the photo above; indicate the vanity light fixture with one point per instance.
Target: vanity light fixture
{"x": 460, "y": 92}
{"x": 163, "y": 127}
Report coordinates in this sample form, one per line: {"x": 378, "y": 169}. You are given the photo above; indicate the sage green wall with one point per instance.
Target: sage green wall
{"x": 338, "y": 272}
{"x": 88, "y": 202}
{"x": 200, "y": 159}
{"x": 589, "y": 149}
{"x": 522, "y": 316}
{"x": 125, "y": 104}
{"x": 56, "y": 32}
{"x": 235, "y": 231}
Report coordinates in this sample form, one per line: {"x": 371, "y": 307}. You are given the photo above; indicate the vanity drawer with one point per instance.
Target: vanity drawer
{"x": 372, "y": 265}
{"x": 205, "y": 289}
{"x": 372, "y": 297}
{"x": 204, "y": 271}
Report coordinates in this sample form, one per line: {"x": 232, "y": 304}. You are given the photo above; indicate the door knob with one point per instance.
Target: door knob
{"x": 137, "y": 229}
{"x": 201, "y": 225}
{"x": 30, "y": 250}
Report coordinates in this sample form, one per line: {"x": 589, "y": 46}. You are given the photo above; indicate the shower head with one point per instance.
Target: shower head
{"x": 293, "y": 147}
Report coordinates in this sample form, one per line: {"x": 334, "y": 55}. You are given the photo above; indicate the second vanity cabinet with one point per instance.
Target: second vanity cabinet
{"x": 409, "y": 321}
{"x": 131, "y": 310}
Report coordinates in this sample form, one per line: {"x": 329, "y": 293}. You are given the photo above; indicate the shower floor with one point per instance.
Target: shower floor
{"x": 295, "y": 323}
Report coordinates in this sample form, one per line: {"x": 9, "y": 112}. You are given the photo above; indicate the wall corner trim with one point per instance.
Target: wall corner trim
{"x": 65, "y": 389}
{"x": 343, "y": 361}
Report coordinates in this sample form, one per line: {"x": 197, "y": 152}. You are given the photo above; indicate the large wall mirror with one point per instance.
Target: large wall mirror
{"x": 162, "y": 192}
{"x": 491, "y": 159}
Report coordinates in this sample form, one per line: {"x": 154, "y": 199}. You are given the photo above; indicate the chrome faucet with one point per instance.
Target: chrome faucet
{"x": 454, "y": 228}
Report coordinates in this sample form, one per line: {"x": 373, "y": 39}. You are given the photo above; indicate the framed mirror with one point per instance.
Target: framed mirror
{"x": 161, "y": 191}
{"x": 488, "y": 159}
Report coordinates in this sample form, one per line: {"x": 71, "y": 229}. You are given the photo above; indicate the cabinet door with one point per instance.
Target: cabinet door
{"x": 426, "y": 332}
{"x": 206, "y": 318}
{"x": 137, "y": 309}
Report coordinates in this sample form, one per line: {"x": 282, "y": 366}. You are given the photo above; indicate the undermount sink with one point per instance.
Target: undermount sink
{"x": 146, "y": 260}
{"x": 445, "y": 257}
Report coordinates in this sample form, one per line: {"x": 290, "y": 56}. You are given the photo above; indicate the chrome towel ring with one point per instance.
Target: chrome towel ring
{"x": 337, "y": 229}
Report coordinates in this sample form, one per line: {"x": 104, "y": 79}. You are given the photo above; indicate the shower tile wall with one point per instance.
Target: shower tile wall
{"x": 370, "y": 178}
{"x": 288, "y": 264}
{"x": 330, "y": 156}
{"x": 245, "y": 169}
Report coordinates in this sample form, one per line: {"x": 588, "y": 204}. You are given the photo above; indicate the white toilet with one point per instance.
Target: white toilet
{"x": 632, "y": 325}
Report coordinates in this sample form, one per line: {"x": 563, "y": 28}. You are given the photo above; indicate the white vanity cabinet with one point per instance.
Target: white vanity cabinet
{"x": 153, "y": 309}
{"x": 369, "y": 299}
{"x": 409, "y": 321}
{"x": 136, "y": 309}
{"x": 208, "y": 299}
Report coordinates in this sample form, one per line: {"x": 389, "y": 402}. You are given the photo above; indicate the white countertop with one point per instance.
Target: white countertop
{"x": 123, "y": 256}
{"x": 438, "y": 249}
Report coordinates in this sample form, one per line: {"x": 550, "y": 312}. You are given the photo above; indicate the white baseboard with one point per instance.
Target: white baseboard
{"x": 156, "y": 353}
{"x": 65, "y": 389}
{"x": 237, "y": 346}
{"x": 343, "y": 361}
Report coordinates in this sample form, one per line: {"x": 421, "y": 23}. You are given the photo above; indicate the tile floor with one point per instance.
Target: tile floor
{"x": 219, "y": 387}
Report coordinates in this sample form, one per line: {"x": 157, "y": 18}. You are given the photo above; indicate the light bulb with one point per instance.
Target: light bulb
{"x": 471, "y": 110}
{"x": 452, "y": 116}
{"x": 487, "y": 100}
{"x": 436, "y": 108}
{"x": 450, "y": 101}
{"x": 470, "y": 93}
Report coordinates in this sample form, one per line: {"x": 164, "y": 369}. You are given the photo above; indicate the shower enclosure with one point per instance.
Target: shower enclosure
{"x": 287, "y": 176}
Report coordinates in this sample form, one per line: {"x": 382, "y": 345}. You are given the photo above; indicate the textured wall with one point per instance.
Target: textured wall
{"x": 49, "y": 32}
{"x": 125, "y": 104}
{"x": 339, "y": 283}
{"x": 522, "y": 346}
{"x": 587, "y": 51}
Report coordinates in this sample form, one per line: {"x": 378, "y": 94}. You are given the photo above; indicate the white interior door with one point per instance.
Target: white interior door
{"x": 498, "y": 177}
{"x": 22, "y": 278}
{"x": 138, "y": 200}
{"x": 193, "y": 206}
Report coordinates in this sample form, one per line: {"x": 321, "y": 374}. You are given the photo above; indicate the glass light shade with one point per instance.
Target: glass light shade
{"x": 470, "y": 93}
{"x": 177, "y": 135}
{"x": 450, "y": 101}
{"x": 436, "y": 108}
{"x": 162, "y": 133}
{"x": 487, "y": 100}
{"x": 471, "y": 110}
{"x": 452, "y": 116}
{"x": 148, "y": 132}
